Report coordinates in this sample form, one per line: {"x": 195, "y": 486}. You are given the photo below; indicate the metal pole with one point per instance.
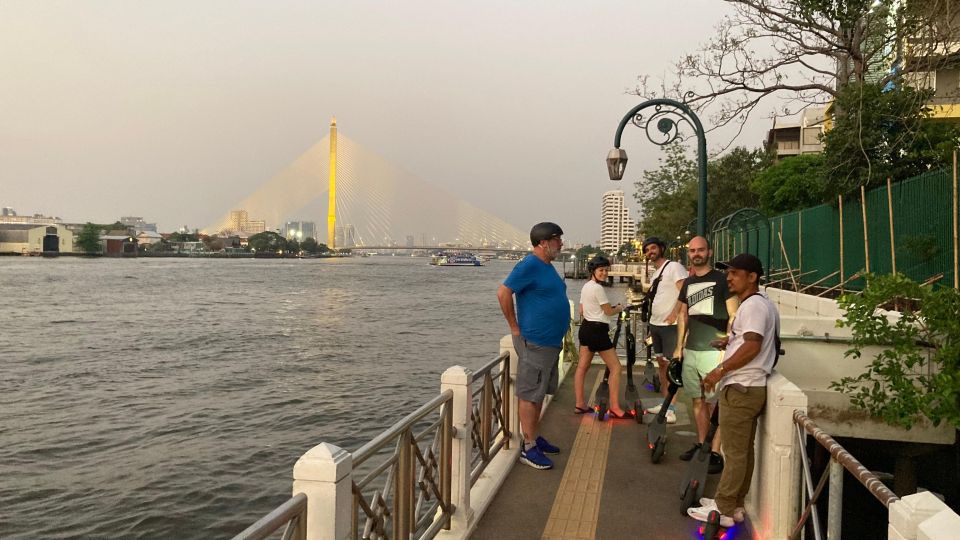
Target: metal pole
{"x": 866, "y": 239}
{"x": 893, "y": 249}
{"x": 840, "y": 201}
{"x": 835, "y": 503}
{"x": 956, "y": 278}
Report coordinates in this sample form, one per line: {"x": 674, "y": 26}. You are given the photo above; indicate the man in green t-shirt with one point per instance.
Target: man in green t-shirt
{"x": 706, "y": 308}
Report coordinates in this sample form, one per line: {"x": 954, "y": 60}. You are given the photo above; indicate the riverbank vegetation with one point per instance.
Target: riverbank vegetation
{"x": 917, "y": 375}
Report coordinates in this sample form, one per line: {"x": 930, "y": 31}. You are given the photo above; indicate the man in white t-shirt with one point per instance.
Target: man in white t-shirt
{"x": 749, "y": 356}
{"x": 667, "y": 278}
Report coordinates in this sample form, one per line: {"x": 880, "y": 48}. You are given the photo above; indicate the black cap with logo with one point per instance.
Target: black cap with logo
{"x": 743, "y": 261}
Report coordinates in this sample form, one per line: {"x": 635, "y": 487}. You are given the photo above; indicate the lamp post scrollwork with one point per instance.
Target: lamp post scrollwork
{"x": 664, "y": 125}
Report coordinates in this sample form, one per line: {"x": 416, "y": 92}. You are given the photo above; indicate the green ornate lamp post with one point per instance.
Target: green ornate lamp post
{"x": 667, "y": 117}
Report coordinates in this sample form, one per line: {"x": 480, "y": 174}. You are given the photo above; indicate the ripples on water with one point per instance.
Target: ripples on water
{"x": 170, "y": 398}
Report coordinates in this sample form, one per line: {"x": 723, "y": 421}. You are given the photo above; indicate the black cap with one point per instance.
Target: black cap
{"x": 544, "y": 231}
{"x": 653, "y": 240}
{"x": 743, "y": 261}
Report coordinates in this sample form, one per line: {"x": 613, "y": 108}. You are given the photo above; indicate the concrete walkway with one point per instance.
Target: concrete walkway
{"x": 603, "y": 484}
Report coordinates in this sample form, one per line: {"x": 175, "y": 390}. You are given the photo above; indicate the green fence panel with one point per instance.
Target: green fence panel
{"x": 808, "y": 242}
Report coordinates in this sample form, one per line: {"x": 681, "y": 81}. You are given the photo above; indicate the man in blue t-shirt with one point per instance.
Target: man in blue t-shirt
{"x": 541, "y": 319}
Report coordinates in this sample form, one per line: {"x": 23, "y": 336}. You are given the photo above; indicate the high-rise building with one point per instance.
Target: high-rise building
{"x": 255, "y": 226}
{"x": 138, "y": 224}
{"x": 616, "y": 227}
{"x": 300, "y": 230}
{"x": 346, "y": 237}
{"x": 238, "y": 220}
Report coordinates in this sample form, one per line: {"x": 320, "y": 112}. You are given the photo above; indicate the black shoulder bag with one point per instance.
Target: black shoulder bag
{"x": 646, "y": 305}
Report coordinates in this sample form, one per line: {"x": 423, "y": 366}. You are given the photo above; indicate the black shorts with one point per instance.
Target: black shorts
{"x": 664, "y": 340}
{"x": 595, "y": 336}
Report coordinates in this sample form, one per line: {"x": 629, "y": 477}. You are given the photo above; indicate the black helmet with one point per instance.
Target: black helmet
{"x": 654, "y": 240}
{"x": 544, "y": 231}
{"x": 598, "y": 261}
{"x": 675, "y": 371}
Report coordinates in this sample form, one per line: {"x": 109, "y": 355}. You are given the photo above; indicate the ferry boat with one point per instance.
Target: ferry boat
{"x": 456, "y": 259}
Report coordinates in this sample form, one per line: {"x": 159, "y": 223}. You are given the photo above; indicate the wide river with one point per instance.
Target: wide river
{"x": 170, "y": 398}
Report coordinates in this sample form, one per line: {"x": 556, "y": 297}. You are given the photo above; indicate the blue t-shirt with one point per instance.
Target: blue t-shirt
{"x": 543, "y": 311}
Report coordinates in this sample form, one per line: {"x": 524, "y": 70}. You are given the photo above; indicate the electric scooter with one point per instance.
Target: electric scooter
{"x": 650, "y": 372}
{"x": 657, "y": 429}
{"x": 691, "y": 489}
{"x": 630, "y": 394}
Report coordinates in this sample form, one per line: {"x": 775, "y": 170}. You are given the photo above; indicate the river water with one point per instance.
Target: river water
{"x": 170, "y": 398}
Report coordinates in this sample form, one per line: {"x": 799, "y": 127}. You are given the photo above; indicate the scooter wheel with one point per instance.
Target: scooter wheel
{"x": 601, "y": 410}
{"x": 689, "y": 493}
{"x": 658, "y": 449}
{"x": 656, "y": 383}
{"x": 711, "y": 530}
{"x": 638, "y": 415}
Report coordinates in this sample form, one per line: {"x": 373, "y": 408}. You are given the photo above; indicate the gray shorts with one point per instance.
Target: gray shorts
{"x": 664, "y": 340}
{"x": 537, "y": 373}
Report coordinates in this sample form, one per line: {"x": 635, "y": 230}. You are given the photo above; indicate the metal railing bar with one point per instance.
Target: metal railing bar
{"x": 807, "y": 487}
{"x": 429, "y": 430}
{"x": 490, "y": 365}
{"x": 850, "y": 463}
{"x": 369, "y": 449}
{"x": 814, "y": 495}
{"x": 377, "y": 471}
{"x": 270, "y": 523}
{"x": 479, "y": 468}
{"x": 432, "y": 531}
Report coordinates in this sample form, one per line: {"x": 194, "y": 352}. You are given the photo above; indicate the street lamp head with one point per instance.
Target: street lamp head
{"x": 616, "y": 163}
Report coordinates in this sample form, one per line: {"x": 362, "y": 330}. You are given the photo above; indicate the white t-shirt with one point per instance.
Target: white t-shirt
{"x": 756, "y": 314}
{"x": 667, "y": 291}
{"x": 592, "y": 296}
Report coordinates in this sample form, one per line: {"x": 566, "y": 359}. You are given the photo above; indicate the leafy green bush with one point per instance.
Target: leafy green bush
{"x": 916, "y": 376}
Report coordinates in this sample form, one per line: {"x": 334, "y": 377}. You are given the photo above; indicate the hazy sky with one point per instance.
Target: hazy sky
{"x": 176, "y": 110}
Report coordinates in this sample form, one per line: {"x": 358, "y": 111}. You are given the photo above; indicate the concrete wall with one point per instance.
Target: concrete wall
{"x": 774, "y": 499}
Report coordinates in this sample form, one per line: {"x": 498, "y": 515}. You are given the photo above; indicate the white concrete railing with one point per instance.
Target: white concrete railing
{"x": 774, "y": 502}
{"x": 325, "y": 474}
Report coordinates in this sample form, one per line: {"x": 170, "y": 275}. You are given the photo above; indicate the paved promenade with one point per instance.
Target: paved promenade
{"x": 603, "y": 484}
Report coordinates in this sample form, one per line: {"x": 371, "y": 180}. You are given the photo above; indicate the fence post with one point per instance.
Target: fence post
{"x": 324, "y": 475}
{"x": 506, "y": 344}
{"x": 911, "y": 512}
{"x": 457, "y": 379}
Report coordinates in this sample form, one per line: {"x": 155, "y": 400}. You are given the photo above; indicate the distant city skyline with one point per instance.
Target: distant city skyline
{"x": 176, "y": 113}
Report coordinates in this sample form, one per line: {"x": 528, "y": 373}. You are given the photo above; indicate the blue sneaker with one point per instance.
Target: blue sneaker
{"x": 546, "y": 447}
{"x": 534, "y": 457}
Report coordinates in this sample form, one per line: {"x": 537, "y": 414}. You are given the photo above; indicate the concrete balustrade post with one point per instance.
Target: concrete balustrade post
{"x": 324, "y": 475}
{"x": 922, "y": 516}
{"x": 457, "y": 379}
{"x": 506, "y": 345}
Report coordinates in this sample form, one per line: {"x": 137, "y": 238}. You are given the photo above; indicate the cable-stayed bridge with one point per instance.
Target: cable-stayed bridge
{"x": 377, "y": 204}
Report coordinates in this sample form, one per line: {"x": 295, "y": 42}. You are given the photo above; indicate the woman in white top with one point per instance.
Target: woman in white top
{"x": 594, "y": 334}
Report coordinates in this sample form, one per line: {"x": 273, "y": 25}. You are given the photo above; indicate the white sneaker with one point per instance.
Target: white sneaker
{"x": 739, "y": 515}
{"x": 654, "y": 410}
{"x": 703, "y": 514}
{"x": 671, "y": 416}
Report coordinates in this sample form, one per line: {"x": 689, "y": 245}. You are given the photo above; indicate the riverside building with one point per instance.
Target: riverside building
{"x": 616, "y": 226}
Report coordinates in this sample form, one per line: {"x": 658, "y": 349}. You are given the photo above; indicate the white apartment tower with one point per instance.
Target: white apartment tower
{"x": 616, "y": 227}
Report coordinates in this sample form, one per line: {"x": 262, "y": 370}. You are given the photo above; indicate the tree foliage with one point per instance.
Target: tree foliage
{"x": 805, "y": 51}
{"x": 882, "y": 133}
{"x": 267, "y": 242}
{"x": 791, "y": 184}
{"x": 89, "y": 239}
{"x": 668, "y": 194}
{"x": 730, "y": 178}
{"x": 918, "y": 374}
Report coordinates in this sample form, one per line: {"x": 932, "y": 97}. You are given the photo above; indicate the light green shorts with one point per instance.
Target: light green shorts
{"x": 696, "y": 365}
